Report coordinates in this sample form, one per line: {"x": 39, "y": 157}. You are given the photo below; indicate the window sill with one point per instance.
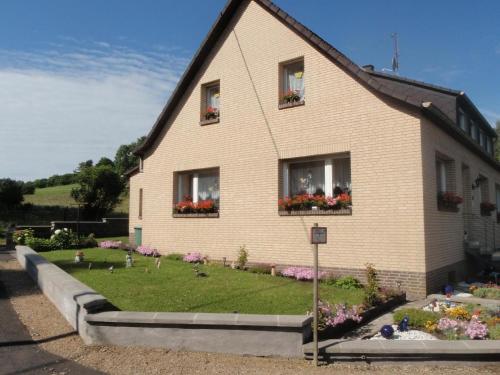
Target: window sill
{"x": 191, "y": 215}
{"x": 342, "y": 211}
{"x": 291, "y": 105}
{"x": 208, "y": 122}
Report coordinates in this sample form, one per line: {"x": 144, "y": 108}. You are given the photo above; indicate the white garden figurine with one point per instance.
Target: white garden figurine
{"x": 129, "y": 261}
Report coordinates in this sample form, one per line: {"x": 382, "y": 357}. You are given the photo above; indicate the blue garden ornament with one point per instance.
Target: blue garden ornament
{"x": 403, "y": 324}
{"x": 448, "y": 290}
{"x": 387, "y": 331}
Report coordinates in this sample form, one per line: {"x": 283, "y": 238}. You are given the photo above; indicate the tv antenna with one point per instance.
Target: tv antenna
{"x": 395, "y": 57}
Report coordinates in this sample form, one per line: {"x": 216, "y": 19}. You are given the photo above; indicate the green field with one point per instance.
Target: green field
{"x": 60, "y": 196}
{"x": 175, "y": 286}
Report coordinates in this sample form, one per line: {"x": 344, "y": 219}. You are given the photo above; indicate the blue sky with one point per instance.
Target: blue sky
{"x": 79, "y": 78}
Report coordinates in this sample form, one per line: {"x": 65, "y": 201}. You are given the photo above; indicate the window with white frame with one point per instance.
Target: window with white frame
{"x": 442, "y": 175}
{"x": 329, "y": 176}
{"x": 292, "y": 82}
{"x": 197, "y": 186}
{"x": 210, "y": 108}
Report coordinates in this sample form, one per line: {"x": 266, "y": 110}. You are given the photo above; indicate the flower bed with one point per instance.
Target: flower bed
{"x": 301, "y": 273}
{"x": 449, "y": 201}
{"x": 193, "y": 258}
{"x": 448, "y": 320}
{"x": 147, "y": 251}
{"x": 109, "y": 244}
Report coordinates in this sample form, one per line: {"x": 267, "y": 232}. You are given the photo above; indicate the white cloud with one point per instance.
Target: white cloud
{"x": 65, "y": 105}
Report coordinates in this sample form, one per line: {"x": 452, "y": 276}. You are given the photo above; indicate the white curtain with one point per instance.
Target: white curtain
{"x": 208, "y": 186}
{"x": 294, "y": 78}
{"x": 342, "y": 174}
{"x": 213, "y": 97}
{"x": 308, "y": 177}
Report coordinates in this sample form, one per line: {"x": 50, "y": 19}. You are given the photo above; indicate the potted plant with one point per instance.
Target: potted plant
{"x": 449, "y": 201}
{"x": 292, "y": 96}
{"x": 211, "y": 113}
{"x": 487, "y": 208}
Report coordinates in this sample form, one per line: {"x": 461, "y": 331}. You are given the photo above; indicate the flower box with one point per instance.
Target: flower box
{"x": 341, "y": 211}
{"x": 487, "y": 208}
{"x": 196, "y": 215}
{"x": 209, "y": 121}
{"x": 448, "y": 201}
{"x": 284, "y": 105}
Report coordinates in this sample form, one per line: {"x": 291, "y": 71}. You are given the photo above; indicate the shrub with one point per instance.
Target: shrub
{"x": 490, "y": 293}
{"x": 417, "y": 318}
{"x": 494, "y": 332}
{"x": 21, "y": 236}
{"x": 301, "y": 273}
{"x": 263, "y": 269}
{"x": 242, "y": 257}
{"x": 41, "y": 244}
{"x": 371, "y": 288}
{"x": 88, "y": 242}
{"x": 174, "y": 256}
{"x": 147, "y": 251}
{"x": 109, "y": 244}
{"x": 193, "y": 258}
{"x": 64, "y": 239}
{"x": 331, "y": 316}
{"x": 348, "y": 282}
{"x": 476, "y": 330}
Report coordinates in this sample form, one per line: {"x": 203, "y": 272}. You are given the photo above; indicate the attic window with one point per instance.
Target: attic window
{"x": 210, "y": 103}
{"x": 292, "y": 88}
{"x": 462, "y": 121}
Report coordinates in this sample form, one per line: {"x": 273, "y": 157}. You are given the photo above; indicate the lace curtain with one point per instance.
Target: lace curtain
{"x": 294, "y": 78}
{"x": 342, "y": 174}
{"x": 213, "y": 97}
{"x": 208, "y": 186}
{"x": 308, "y": 177}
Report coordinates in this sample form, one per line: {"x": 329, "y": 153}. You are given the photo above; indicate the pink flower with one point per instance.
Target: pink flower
{"x": 193, "y": 258}
{"x": 301, "y": 273}
{"x": 476, "y": 330}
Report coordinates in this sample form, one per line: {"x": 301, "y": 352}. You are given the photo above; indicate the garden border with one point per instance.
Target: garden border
{"x": 100, "y": 323}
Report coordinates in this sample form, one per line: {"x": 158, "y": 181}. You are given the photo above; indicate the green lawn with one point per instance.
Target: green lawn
{"x": 60, "y": 196}
{"x": 175, "y": 287}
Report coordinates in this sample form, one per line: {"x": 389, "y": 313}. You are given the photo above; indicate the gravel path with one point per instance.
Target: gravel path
{"x": 43, "y": 321}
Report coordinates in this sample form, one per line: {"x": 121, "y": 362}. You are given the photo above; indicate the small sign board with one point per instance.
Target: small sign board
{"x": 318, "y": 235}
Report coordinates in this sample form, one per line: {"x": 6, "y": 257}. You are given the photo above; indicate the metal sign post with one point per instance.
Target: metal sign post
{"x": 318, "y": 236}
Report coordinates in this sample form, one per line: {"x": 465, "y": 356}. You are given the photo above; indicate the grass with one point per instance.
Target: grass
{"x": 175, "y": 287}
{"x": 60, "y": 196}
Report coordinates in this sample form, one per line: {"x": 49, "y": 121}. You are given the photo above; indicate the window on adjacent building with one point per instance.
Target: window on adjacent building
{"x": 292, "y": 90}
{"x": 141, "y": 165}
{"x": 489, "y": 146}
{"x": 210, "y": 106}
{"x": 482, "y": 139}
{"x": 196, "y": 186}
{"x": 474, "y": 131}
{"x": 329, "y": 176}
{"x": 462, "y": 121}
{"x": 141, "y": 197}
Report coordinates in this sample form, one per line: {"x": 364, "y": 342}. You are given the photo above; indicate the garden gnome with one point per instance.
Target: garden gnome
{"x": 158, "y": 262}
{"x": 79, "y": 257}
{"x": 233, "y": 265}
{"x": 403, "y": 325}
{"x": 128, "y": 260}
{"x": 273, "y": 270}
{"x": 448, "y": 290}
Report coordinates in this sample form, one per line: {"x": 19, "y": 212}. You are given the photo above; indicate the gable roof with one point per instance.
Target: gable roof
{"x": 405, "y": 91}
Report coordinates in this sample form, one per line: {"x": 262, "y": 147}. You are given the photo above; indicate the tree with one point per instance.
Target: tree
{"x": 497, "y": 144}
{"x": 11, "y": 193}
{"x": 98, "y": 191}
{"x": 125, "y": 158}
{"x": 28, "y": 188}
{"x": 105, "y": 161}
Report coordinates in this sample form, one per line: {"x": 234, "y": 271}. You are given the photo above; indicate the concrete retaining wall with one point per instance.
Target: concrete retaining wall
{"x": 89, "y": 313}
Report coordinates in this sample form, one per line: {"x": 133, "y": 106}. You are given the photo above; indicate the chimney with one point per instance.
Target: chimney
{"x": 369, "y": 67}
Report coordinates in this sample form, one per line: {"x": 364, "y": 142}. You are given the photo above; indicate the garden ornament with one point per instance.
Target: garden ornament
{"x": 90, "y": 266}
{"x": 128, "y": 261}
{"x": 403, "y": 325}
{"x": 387, "y": 331}
{"x": 79, "y": 256}
{"x": 448, "y": 290}
{"x": 111, "y": 269}
{"x": 198, "y": 273}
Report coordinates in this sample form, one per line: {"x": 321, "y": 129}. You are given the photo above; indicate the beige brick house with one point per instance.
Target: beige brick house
{"x": 268, "y": 110}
